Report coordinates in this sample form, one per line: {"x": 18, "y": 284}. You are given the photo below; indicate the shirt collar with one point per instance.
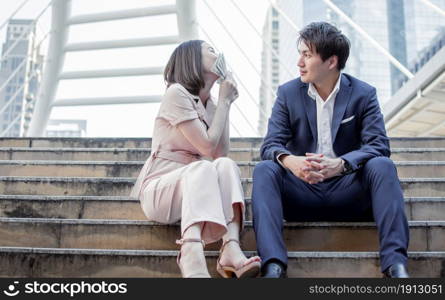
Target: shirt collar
{"x": 312, "y": 91}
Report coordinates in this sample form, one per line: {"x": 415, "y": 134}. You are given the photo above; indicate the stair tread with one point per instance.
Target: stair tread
{"x": 321, "y": 224}
{"x": 131, "y": 252}
{"x": 125, "y": 149}
{"x": 98, "y": 162}
{"x": 128, "y": 199}
{"x": 133, "y": 179}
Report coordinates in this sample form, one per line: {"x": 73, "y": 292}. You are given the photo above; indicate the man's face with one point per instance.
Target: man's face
{"x": 312, "y": 67}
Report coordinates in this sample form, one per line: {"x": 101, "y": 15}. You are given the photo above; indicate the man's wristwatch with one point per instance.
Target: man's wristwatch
{"x": 347, "y": 169}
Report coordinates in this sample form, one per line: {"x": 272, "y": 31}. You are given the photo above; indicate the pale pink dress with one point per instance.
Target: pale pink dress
{"x": 176, "y": 183}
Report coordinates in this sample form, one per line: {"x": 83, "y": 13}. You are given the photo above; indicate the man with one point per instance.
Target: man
{"x": 325, "y": 157}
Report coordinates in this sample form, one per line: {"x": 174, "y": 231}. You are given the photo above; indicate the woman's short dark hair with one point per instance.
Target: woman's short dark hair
{"x": 326, "y": 40}
{"x": 185, "y": 67}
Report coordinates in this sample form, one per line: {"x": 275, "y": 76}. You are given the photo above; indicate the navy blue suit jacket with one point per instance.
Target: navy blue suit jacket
{"x": 292, "y": 126}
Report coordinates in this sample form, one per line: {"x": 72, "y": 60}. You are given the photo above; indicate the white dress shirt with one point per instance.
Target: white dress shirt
{"x": 325, "y": 112}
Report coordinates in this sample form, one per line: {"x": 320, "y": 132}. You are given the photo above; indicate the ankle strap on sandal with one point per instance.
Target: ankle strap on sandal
{"x": 182, "y": 241}
{"x": 226, "y": 242}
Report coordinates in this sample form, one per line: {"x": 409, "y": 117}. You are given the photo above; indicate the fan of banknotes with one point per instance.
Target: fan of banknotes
{"x": 220, "y": 68}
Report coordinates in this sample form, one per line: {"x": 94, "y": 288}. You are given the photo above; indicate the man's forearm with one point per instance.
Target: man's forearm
{"x": 280, "y": 158}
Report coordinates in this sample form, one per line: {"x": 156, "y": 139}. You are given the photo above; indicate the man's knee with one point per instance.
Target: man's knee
{"x": 380, "y": 165}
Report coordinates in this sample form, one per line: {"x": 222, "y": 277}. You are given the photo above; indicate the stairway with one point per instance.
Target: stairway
{"x": 65, "y": 212}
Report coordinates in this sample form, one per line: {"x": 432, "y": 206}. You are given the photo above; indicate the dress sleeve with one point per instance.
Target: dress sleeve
{"x": 177, "y": 106}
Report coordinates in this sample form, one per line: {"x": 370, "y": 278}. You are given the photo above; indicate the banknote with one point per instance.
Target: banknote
{"x": 220, "y": 68}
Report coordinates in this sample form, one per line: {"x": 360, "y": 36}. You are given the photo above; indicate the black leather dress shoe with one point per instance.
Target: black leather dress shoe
{"x": 274, "y": 270}
{"x": 396, "y": 271}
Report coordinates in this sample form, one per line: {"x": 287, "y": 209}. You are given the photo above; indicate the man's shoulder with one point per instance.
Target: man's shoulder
{"x": 357, "y": 84}
{"x": 292, "y": 84}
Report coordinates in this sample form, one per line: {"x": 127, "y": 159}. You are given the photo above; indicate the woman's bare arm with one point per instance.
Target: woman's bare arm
{"x": 224, "y": 142}
{"x": 208, "y": 141}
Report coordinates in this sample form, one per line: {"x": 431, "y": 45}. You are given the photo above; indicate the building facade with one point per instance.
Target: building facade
{"x": 66, "y": 128}
{"x": 19, "y": 76}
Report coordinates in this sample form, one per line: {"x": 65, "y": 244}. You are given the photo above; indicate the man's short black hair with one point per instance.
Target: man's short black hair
{"x": 326, "y": 40}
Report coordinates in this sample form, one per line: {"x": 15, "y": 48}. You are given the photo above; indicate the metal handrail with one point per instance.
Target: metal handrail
{"x": 434, "y": 7}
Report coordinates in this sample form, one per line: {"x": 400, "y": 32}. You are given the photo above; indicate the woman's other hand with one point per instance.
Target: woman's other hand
{"x": 228, "y": 90}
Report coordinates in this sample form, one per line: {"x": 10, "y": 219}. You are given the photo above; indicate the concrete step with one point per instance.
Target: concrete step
{"x": 418, "y": 154}
{"x": 417, "y": 142}
{"x": 103, "y": 154}
{"x": 50, "y": 263}
{"x": 124, "y": 208}
{"x": 141, "y": 154}
{"x": 255, "y": 142}
{"x": 121, "y": 186}
{"x": 106, "y": 142}
{"x": 145, "y": 235}
{"x": 414, "y": 169}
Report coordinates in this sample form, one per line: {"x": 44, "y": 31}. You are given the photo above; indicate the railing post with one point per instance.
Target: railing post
{"x": 187, "y": 20}
{"x": 53, "y": 67}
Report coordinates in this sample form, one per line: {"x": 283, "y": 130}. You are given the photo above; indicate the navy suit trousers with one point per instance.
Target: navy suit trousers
{"x": 371, "y": 194}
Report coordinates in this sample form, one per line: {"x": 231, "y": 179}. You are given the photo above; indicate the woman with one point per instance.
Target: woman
{"x": 177, "y": 184}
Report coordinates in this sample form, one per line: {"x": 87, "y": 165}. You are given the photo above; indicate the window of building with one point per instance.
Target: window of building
{"x": 275, "y": 25}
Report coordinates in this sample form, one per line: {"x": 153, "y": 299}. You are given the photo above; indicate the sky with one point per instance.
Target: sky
{"x": 136, "y": 120}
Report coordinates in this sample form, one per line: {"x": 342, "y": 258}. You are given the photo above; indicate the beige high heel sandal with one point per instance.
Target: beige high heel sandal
{"x": 250, "y": 269}
{"x": 181, "y": 242}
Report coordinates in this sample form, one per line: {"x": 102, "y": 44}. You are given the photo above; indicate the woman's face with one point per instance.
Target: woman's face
{"x": 208, "y": 57}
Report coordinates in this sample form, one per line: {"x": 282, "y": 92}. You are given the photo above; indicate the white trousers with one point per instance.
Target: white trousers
{"x": 201, "y": 191}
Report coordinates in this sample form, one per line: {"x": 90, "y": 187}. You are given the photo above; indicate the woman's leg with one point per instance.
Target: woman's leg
{"x": 192, "y": 261}
{"x": 233, "y": 201}
{"x": 190, "y": 194}
{"x": 202, "y": 214}
{"x": 232, "y": 254}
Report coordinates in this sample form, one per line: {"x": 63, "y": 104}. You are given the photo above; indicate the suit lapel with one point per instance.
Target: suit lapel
{"x": 311, "y": 110}
{"x": 341, "y": 102}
